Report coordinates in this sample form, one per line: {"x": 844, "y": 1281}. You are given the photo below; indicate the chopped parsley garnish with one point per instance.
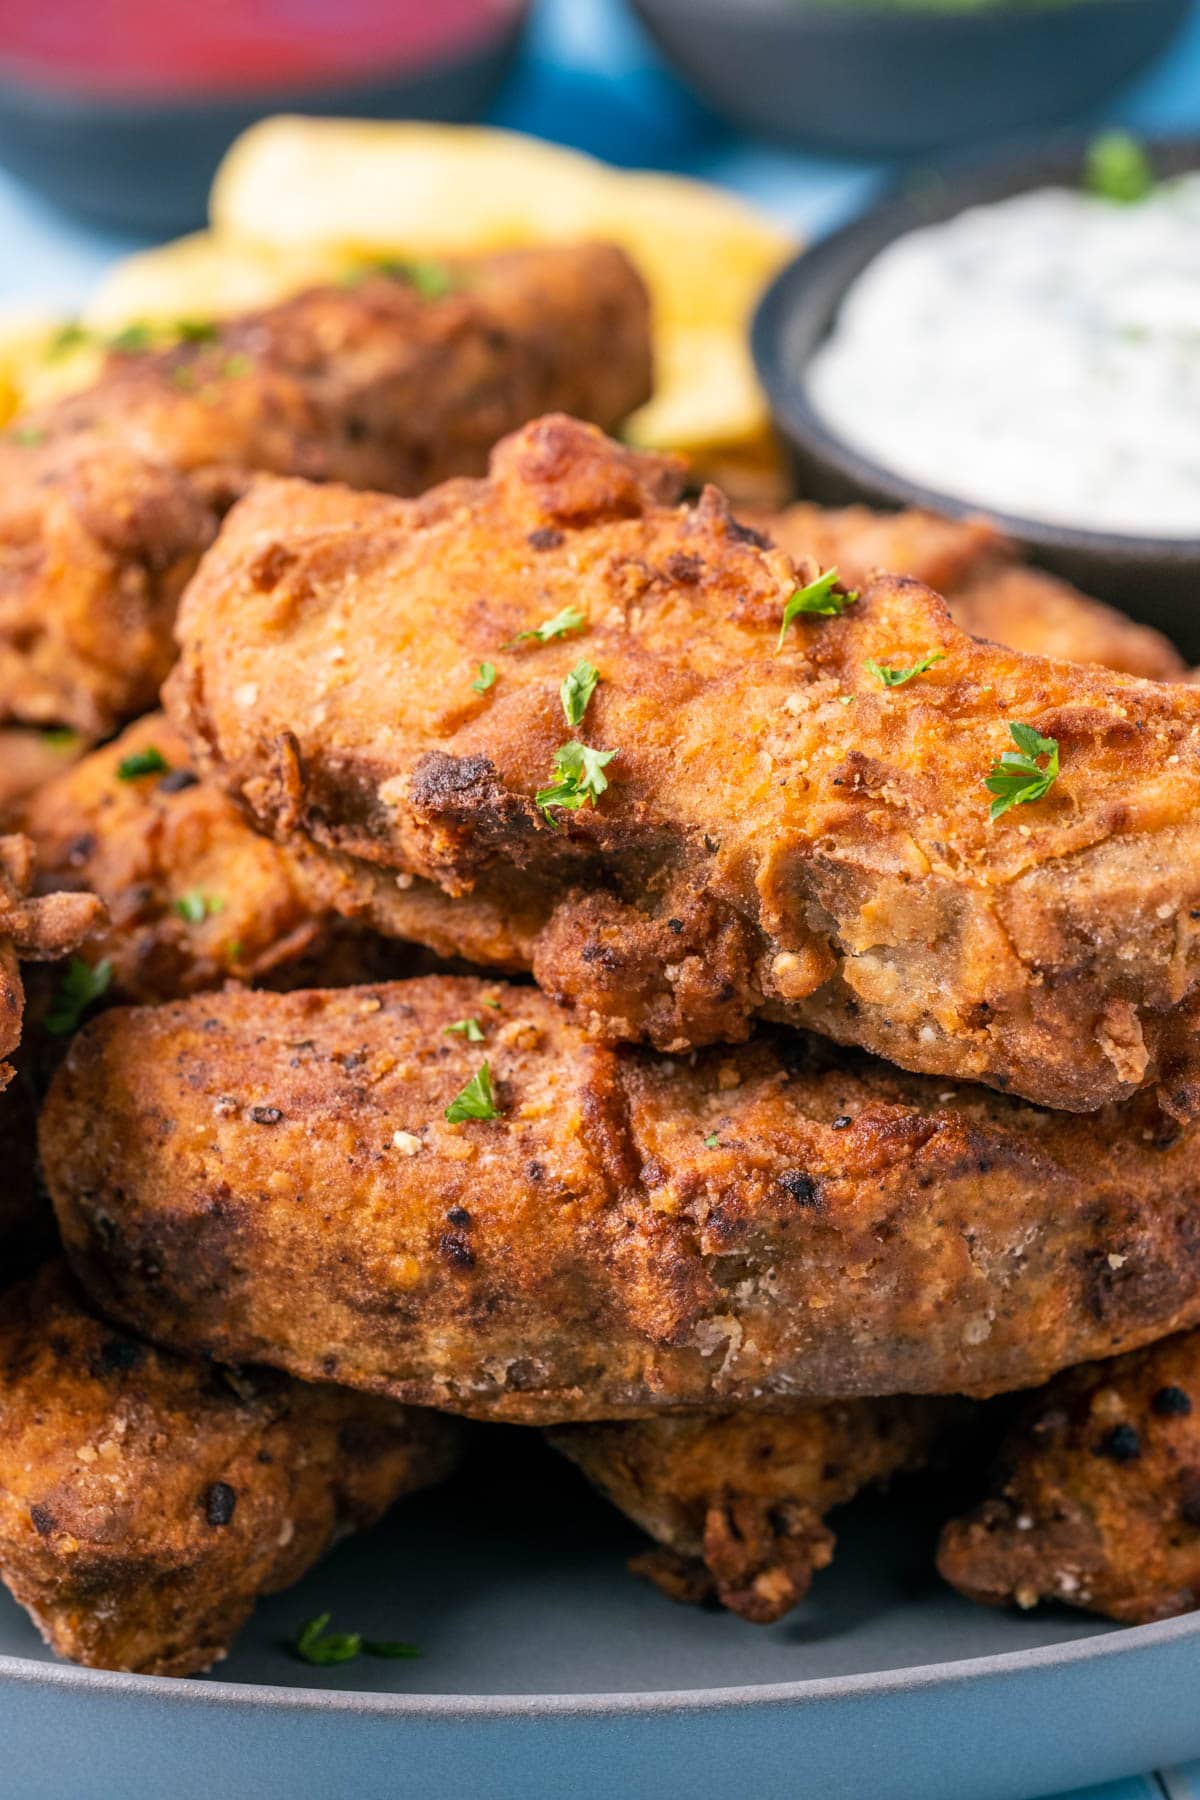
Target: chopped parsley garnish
{"x": 195, "y": 907}
{"x": 477, "y": 1100}
{"x": 468, "y": 1028}
{"x": 581, "y": 778}
{"x": 137, "y": 336}
{"x": 569, "y": 619}
{"x": 195, "y": 331}
{"x": 577, "y": 690}
{"x": 891, "y": 676}
{"x": 81, "y": 986}
{"x": 712, "y": 1141}
{"x": 485, "y": 679}
{"x": 29, "y": 435}
{"x": 315, "y": 1644}
{"x": 1118, "y": 168}
{"x": 494, "y": 1004}
{"x": 817, "y": 598}
{"x": 141, "y": 762}
{"x": 1020, "y": 776}
{"x": 432, "y": 280}
{"x": 233, "y": 949}
{"x": 71, "y": 336}
{"x": 60, "y": 737}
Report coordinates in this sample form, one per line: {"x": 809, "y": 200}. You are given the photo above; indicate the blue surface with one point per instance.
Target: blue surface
{"x": 589, "y": 77}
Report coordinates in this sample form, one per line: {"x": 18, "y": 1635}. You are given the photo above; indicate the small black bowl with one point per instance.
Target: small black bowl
{"x": 143, "y": 161}
{"x": 1154, "y": 579}
{"x": 890, "y": 79}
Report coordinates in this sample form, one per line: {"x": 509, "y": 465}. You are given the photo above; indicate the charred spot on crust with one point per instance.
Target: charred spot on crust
{"x": 266, "y": 1115}
{"x": 746, "y": 534}
{"x": 801, "y": 1187}
{"x": 219, "y": 1503}
{"x": 42, "y": 1519}
{"x": 1122, "y": 1444}
{"x": 176, "y": 780}
{"x": 546, "y": 537}
{"x": 459, "y": 1216}
{"x": 1189, "y": 1496}
{"x": 456, "y": 1250}
{"x": 1171, "y": 1403}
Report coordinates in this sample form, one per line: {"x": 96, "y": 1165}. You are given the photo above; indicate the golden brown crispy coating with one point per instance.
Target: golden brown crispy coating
{"x": 737, "y": 1501}
{"x": 27, "y": 758}
{"x": 781, "y": 834}
{"x": 272, "y": 1178}
{"x": 148, "y": 1500}
{"x": 1097, "y": 1494}
{"x": 990, "y": 592}
{"x": 110, "y": 496}
{"x": 193, "y": 895}
{"x": 40, "y": 929}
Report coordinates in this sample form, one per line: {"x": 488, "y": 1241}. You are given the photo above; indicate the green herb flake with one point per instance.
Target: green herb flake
{"x": 71, "y": 336}
{"x": 80, "y": 987}
{"x": 314, "y": 1644}
{"x": 817, "y": 599}
{"x": 29, "y": 435}
{"x": 485, "y": 679}
{"x": 195, "y": 907}
{"x": 569, "y": 619}
{"x": 141, "y": 762}
{"x": 1118, "y": 169}
{"x": 476, "y": 1101}
{"x": 713, "y": 1141}
{"x": 138, "y": 336}
{"x": 580, "y": 778}
{"x": 233, "y": 950}
{"x": 576, "y": 692}
{"x": 236, "y": 365}
{"x": 1019, "y": 776}
{"x": 893, "y": 677}
{"x": 60, "y": 737}
{"x": 494, "y": 1004}
{"x": 195, "y": 331}
{"x": 468, "y": 1028}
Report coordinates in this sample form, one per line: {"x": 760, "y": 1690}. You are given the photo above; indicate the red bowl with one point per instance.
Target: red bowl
{"x": 121, "y": 109}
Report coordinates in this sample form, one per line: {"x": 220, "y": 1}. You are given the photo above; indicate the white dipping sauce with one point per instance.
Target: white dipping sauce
{"x": 1039, "y": 356}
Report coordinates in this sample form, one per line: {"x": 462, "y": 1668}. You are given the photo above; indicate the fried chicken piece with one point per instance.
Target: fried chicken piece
{"x": 737, "y": 1501}
{"x": 780, "y": 834}
{"x": 28, "y": 758}
{"x": 990, "y": 592}
{"x": 1096, "y": 1500}
{"x": 148, "y": 1500}
{"x": 272, "y": 1178}
{"x": 110, "y": 495}
{"x": 193, "y": 895}
{"x": 40, "y": 929}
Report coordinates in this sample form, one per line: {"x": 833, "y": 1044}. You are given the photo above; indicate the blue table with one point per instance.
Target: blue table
{"x": 589, "y": 77}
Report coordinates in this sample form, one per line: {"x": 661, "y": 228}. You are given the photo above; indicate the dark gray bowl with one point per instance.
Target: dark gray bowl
{"x": 873, "y": 78}
{"x": 1155, "y": 579}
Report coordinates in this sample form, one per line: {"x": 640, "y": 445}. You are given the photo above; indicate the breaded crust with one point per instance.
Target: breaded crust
{"x": 737, "y": 1501}
{"x": 148, "y": 1500}
{"x": 108, "y": 498}
{"x": 1096, "y": 1501}
{"x": 990, "y": 592}
{"x": 193, "y": 895}
{"x": 272, "y": 1178}
{"x": 781, "y": 833}
{"x": 40, "y": 929}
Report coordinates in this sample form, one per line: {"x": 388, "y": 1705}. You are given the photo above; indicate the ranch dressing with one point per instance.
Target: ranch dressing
{"x": 1039, "y": 356}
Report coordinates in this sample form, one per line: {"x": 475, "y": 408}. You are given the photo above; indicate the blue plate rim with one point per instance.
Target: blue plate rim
{"x": 923, "y": 1677}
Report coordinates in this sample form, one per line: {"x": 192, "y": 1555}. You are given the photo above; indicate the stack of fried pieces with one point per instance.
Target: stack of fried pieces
{"x": 729, "y": 812}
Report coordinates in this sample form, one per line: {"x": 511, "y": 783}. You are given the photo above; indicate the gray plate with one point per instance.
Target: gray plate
{"x": 547, "y": 1670}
